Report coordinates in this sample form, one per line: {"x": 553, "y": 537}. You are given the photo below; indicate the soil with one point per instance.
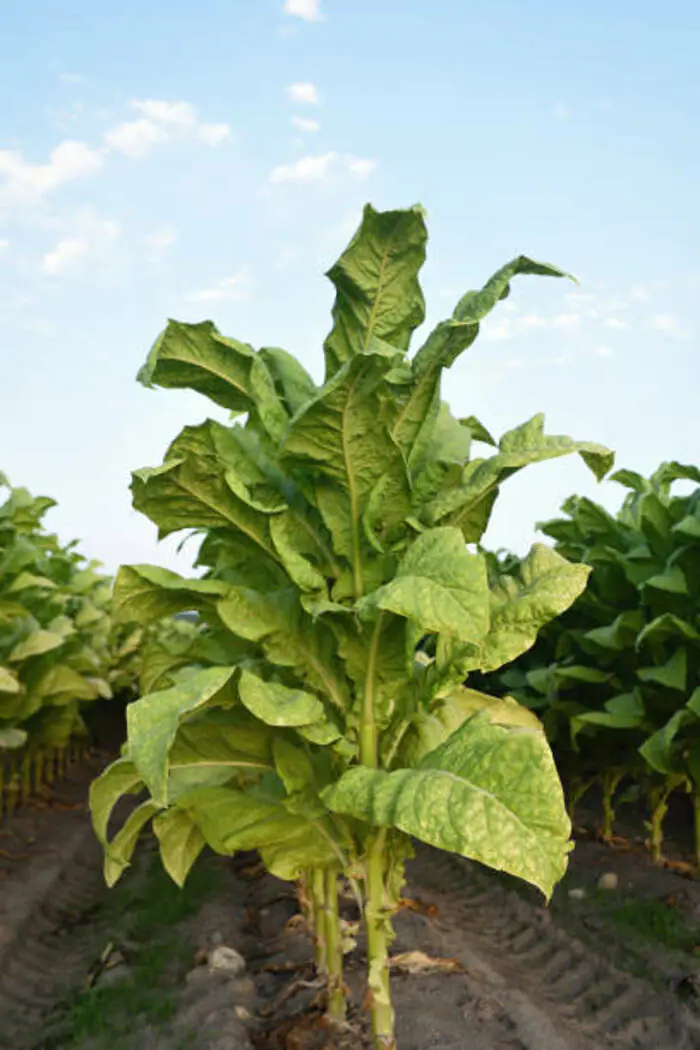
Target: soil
{"x": 606, "y": 969}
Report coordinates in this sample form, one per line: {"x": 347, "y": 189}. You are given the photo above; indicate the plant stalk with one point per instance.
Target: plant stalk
{"x": 610, "y": 783}
{"x": 317, "y": 894}
{"x": 696, "y": 814}
{"x": 378, "y": 939}
{"x": 334, "y": 950}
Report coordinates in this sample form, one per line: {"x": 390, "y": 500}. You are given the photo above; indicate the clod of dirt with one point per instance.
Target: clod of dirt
{"x": 577, "y": 894}
{"x": 227, "y": 960}
{"x": 608, "y": 881}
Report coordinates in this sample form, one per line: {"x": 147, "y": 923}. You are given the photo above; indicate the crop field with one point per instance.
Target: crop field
{"x": 358, "y": 781}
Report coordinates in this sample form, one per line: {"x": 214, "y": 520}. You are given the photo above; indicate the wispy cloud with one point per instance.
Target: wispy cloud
{"x": 303, "y": 92}
{"x": 229, "y": 289}
{"x": 24, "y": 182}
{"x": 669, "y": 325}
{"x": 308, "y": 10}
{"x": 91, "y": 235}
{"x": 159, "y": 122}
{"x": 306, "y": 169}
{"x": 306, "y": 124}
{"x": 359, "y": 167}
{"x": 320, "y": 166}
{"x": 4, "y": 245}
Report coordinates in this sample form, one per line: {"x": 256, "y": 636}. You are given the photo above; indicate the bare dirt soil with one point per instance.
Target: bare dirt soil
{"x": 84, "y": 969}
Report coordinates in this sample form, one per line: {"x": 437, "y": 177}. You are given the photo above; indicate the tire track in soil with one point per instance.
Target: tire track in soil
{"x": 515, "y": 943}
{"x": 48, "y": 904}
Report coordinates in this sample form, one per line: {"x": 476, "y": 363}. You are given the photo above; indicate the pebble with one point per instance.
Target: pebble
{"x": 608, "y": 881}
{"x": 226, "y": 959}
{"x": 577, "y": 894}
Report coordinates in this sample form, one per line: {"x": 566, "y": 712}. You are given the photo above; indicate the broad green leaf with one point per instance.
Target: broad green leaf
{"x": 618, "y": 635}
{"x": 143, "y": 593}
{"x": 180, "y": 842}
{"x": 293, "y": 766}
{"x": 519, "y": 447}
{"x": 672, "y": 674}
{"x": 624, "y": 711}
{"x": 575, "y": 673}
{"x": 9, "y": 682}
{"x": 28, "y": 580}
{"x": 293, "y": 383}
{"x": 216, "y": 747}
{"x": 36, "y": 644}
{"x": 228, "y": 372}
{"x": 120, "y": 850}
{"x": 119, "y": 778}
{"x": 295, "y": 538}
{"x": 546, "y": 586}
{"x": 190, "y": 489}
{"x": 489, "y": 793}
{"x": 438, "y": 585}
{"x": 658, "y": 749}
{"x": 376, "y": 280}
{"x": 667, "y": 626}
{"x": 343, "y": 436}
{"x": 432, "y": 728}
{"x": 277, "y": 705}
{"x": 232, "y": 820}
{"x": 689, "y": 526}
{"x": 672, "y": 580}
{"x": 153, "y": 720}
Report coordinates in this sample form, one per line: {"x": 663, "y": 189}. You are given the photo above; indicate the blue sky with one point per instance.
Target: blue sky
{"x": 211, "y": 159}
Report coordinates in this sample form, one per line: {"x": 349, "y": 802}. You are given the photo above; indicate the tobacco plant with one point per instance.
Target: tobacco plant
{"x": 617, "y": 678}
{"x": 324, "y": 721}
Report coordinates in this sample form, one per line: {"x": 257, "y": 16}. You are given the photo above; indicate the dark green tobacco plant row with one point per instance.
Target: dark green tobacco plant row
{"x": 616, "y": 679}
{"x": 59, "y": 647}
{"x": 319, "y": 715}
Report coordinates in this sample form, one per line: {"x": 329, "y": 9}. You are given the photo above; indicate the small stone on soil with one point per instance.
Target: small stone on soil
{"x": 608, "y": 881}
{"x": 577, "y": 894}
{"x": 226, "y": 959}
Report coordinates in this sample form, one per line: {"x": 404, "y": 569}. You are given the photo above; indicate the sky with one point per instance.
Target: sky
{"x": 211, "y": 160}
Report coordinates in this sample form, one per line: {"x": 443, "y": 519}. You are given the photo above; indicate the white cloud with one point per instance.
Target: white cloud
{"x": 213, "y": 134}
{"x": 307, "y": 169}
{"x": 309, "y": 10}
{"x": 72, "y": 78}
{"x": 602, "y": 351}
{"x": 616, "y": 323}
{"x": 236, "y": 288}
{"x": 161, "y": 121}
{"x": 66, "y": 252}
{"x": 23, "y": 182}
{"x": 360, "y": 168}
{"x": 91, "y": 235}
{"x": 4, "y": 244}
{"x": 532, "y": 321}
{"x": 305, "y": 124}
{"x": 181, "y": 114}
{"x": 304, "y": 92}
{"x": 135, "y": 138}
{"x": 669, "y": 325}
{"x": 562, "y": 112}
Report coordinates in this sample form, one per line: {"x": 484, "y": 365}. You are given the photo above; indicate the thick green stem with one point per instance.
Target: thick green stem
{"x": 378, "y": 940}
{"x": 610, "y": 783}
{"x": 369, "y": 749}
{"x": 376, "y": 910}
{"x": 334, "y": 950}
{"x": 318, "y": 893}
{"x": 659, "y": 808}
